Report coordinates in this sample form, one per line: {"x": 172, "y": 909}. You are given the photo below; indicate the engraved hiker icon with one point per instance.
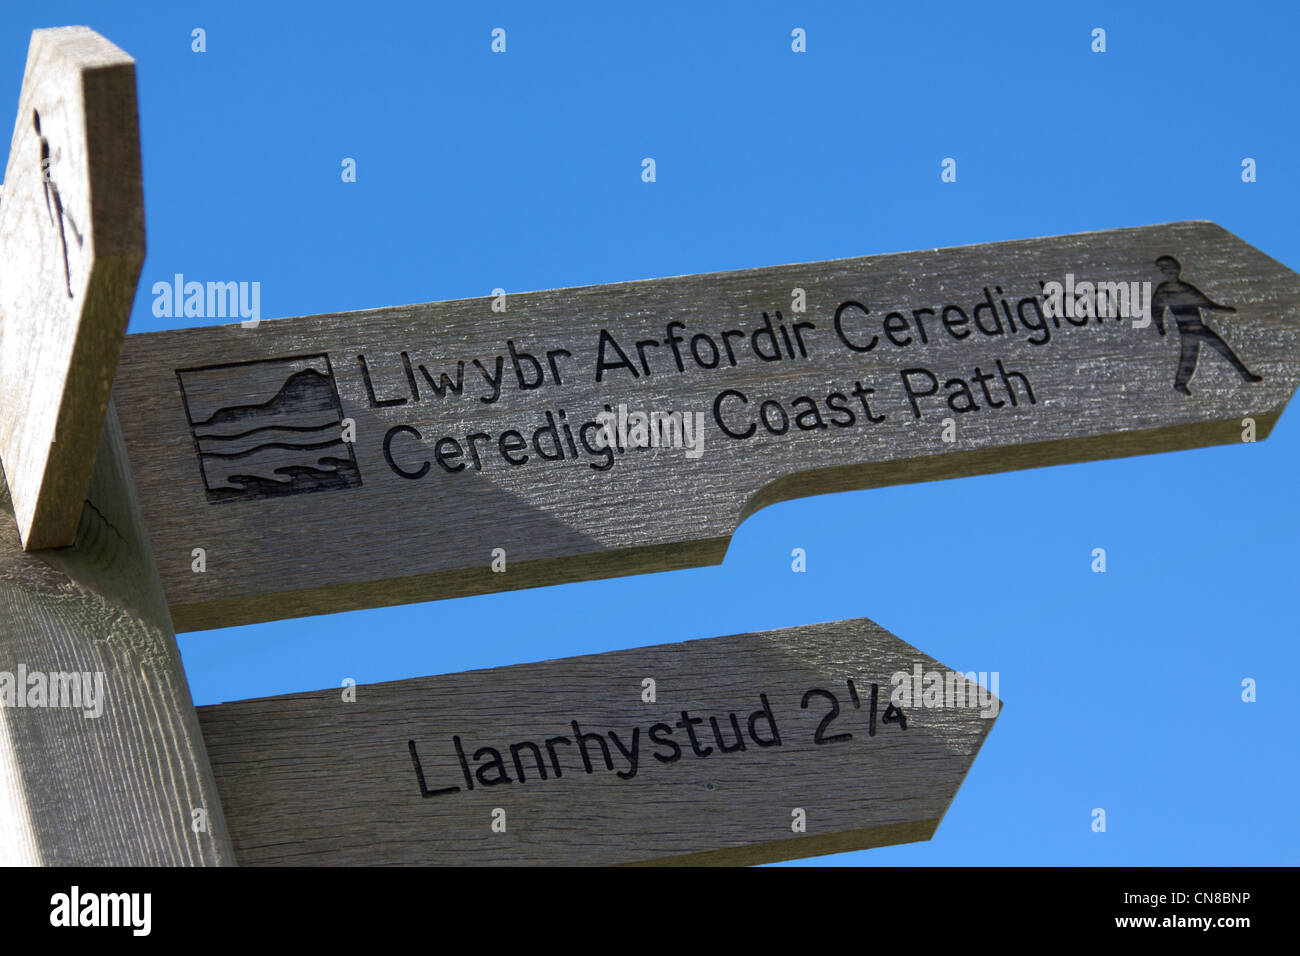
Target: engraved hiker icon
{"x": 54, "y": 202}
{"x": 1186, "y": 301}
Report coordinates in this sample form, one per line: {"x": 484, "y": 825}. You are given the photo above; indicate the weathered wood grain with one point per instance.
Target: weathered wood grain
{"x": 71, "y": 247}
{"x": 121, "y": 786}
{"x": 309, "y": 523}
{"x": 312, "y": 778}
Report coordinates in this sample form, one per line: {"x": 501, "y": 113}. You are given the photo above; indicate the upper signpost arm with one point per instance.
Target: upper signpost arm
{"x": 71, "y": 248}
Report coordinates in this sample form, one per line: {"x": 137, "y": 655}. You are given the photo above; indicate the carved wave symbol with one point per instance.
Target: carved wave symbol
{"x": 292, "y": 442}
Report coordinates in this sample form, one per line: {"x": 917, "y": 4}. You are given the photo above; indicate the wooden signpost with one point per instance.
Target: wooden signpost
{"x": 734, "y": 750}
{"x": 318, "y": 464}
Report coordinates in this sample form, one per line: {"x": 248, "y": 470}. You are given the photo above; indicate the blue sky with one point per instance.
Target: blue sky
{"x": 522, "y": 171}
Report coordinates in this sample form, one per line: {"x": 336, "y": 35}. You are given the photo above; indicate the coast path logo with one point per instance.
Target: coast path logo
{"x": 1186, "y": 301}
{"x": 267, "y": 428}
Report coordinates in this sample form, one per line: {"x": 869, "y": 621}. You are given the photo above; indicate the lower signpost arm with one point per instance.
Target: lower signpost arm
{"x": 101, "y": 757}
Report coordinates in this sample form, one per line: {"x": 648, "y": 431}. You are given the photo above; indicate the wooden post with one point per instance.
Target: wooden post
{"x": 123, "y": 787}
{"x": 101, "y": 757}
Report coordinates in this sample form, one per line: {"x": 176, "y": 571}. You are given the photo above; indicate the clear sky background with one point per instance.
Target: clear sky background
{"x": 522, "y": 171}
